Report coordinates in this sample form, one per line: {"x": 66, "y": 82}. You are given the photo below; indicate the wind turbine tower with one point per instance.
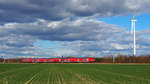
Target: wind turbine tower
{"x": 133, "y": 34}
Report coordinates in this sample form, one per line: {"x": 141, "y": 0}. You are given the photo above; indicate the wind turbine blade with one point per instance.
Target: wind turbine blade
{"x": 132, "y": 28}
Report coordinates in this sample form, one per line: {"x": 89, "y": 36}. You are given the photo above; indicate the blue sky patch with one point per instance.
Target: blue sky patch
{"x": 125, "y": 21}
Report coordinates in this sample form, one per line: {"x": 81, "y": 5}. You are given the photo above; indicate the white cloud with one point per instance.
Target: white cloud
{"x": 120, "y": 46}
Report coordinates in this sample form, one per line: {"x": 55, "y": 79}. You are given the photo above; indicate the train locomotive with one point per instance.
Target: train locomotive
{"x": 59, "y": 60}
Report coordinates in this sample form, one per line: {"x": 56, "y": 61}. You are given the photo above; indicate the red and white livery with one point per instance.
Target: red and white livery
{"x": 58, "y": 60}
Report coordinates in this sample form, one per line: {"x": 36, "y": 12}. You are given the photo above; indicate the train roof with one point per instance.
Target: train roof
{"x": 59, "y": 57}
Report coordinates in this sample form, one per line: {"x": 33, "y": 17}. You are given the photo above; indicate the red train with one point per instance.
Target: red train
{"x": 58, "y": 60}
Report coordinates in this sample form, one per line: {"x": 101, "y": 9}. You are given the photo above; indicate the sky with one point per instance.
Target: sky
{"x": 80, "y": 28}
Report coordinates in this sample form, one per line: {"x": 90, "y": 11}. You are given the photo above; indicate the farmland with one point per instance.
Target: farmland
{"x": 74, "y": 74}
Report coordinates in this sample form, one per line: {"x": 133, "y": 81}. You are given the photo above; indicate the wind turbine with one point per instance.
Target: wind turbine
{"x": 133, "y": 33}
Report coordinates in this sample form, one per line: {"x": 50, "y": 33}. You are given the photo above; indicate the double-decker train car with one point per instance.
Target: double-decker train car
{"x": 58, "y": 60}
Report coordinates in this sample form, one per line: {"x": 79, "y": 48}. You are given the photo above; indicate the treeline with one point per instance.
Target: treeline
{"x": 104, "y": 59}
{"x": 124, "y": 59}
{"x": 14, "y": 60}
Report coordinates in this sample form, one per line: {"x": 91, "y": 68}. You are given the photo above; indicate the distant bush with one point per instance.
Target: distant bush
{"x": 98, "y": 59}
{"x": 1, "y": 59}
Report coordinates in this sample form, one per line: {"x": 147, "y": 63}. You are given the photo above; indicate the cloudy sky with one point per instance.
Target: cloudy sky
{"x": 50, "y": 28}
